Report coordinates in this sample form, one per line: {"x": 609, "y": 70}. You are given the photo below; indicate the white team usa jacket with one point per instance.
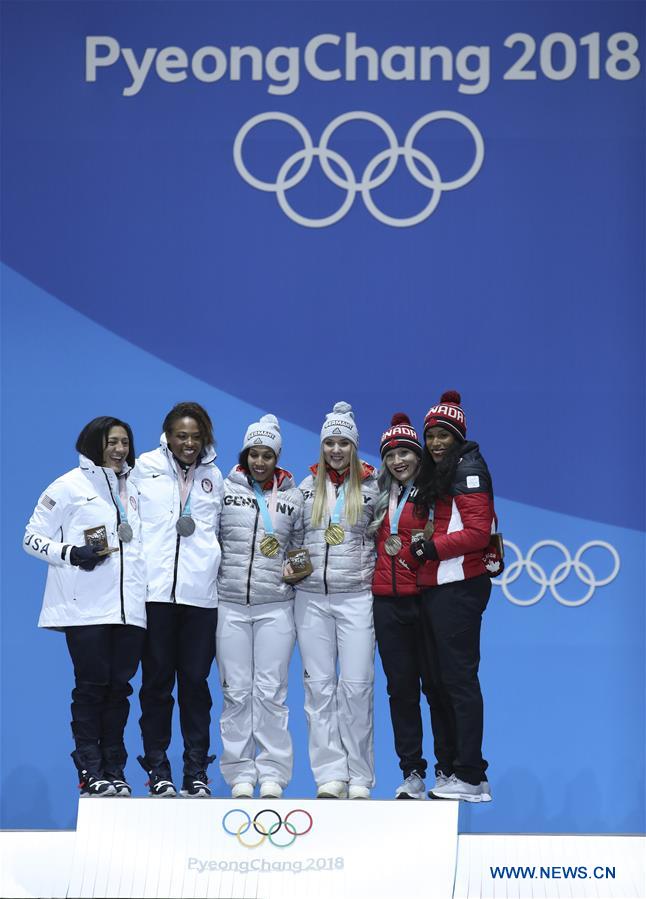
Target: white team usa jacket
{"x": 246, "y": 575}
{"x": 115, "y": 592}
{"x": 180, "y": 569}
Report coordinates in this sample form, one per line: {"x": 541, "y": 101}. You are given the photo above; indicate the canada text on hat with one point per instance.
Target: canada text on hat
{"x": 401, "y": 433}
{"x": 447, "y": 414}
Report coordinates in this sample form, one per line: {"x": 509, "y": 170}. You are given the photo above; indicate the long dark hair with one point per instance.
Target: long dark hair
{"x": 435, "y": 478}
{"x": 92, "y": 440}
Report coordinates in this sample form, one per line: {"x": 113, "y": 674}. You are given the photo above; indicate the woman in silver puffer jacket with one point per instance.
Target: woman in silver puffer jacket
{"x": 261, "y": 518}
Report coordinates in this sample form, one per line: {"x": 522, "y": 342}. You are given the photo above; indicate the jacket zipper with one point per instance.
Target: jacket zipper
{"x": 123, "y": 611}
{"x": 172, "y": 589}
{"x": 253, "y": 552}
{"x": 327, "y": 550}
{"x": 392, "y": 562}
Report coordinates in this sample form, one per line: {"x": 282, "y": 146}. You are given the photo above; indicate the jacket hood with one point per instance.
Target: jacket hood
{"x": 207, "y": 455}
{"x": 367, "y": 470}
{"x": 88, "y": 466}
{"x": 238, "y": 475}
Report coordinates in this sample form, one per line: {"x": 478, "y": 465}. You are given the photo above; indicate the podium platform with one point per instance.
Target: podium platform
{"x": 276, "y": 849}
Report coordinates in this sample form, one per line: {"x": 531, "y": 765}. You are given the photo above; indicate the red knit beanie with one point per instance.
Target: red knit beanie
{"x": 402, "y": 434}
{"x": 447, "y": 414}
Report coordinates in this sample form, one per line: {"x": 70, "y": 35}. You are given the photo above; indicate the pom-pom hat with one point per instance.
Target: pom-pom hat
{"x": 400, "y": 434}
{"x": 448, "y": 414}
{"x": 265, "y": 432}
{"x": 340, "y": 423}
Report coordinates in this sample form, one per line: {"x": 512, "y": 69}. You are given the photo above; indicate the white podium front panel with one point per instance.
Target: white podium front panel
{"x": 275, "y": 849}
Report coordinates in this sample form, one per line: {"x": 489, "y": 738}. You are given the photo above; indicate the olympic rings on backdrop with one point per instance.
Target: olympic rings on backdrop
{"x": 559, "y": 573}
{"x": 428, "y": 176}
{"x": 264, "y": 831}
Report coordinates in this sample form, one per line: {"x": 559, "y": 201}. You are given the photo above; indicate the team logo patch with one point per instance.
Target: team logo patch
{"x": 207, "y": 486}
{"x": 133, "y": 503}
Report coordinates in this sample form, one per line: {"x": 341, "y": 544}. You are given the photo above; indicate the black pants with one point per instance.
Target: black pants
{"x": 105, "y": 659}
{"x": 452, "y": 615}
{"x": 398, "y": 629}
{"x": 180, "y": 642}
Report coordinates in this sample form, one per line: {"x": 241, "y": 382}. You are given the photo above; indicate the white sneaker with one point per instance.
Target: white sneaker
{"x": 242, "y": 791}
{"x": 358, "y": 792}
{"x": 441, "y": 779}
{"x": 455, "y": 788}
{"x": 269, "y": 789}
{"x": 412, "y": 788}
{"x": 333, "y": 789}
{"x": 485, "y": 791}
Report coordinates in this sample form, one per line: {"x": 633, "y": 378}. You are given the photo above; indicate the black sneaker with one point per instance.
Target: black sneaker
{"x": 95, "y": 786}
{"x": 195, "y": 786}
{"x": 159, "y": 783}
{"x": 120, "y": 784}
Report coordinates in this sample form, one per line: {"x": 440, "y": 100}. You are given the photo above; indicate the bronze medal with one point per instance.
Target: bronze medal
{"x": 334, "y": 534}
{"x": 185, "y": 526}
{"x": 124, "y": 532}
{"x": 393, "y": 544}
{"x": 269, "y": 546}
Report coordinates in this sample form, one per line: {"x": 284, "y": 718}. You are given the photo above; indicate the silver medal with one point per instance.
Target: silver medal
{"x": 393, "y": 544}
{"x": 124, "y": 532}
{"x": 185, "y": 526}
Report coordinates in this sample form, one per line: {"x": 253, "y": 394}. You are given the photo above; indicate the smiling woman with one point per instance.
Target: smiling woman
{"x": 86, "y": 526}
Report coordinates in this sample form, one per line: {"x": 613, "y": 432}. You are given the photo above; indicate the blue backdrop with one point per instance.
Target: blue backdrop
{"x": 160, "y": 242}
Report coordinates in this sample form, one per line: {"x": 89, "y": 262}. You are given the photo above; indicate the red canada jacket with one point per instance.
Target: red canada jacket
{"x": 464, "y": 521}
{"x": 395, "y": 575}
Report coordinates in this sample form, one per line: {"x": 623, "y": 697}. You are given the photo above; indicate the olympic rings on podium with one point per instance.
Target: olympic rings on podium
{"x": 267, "y": 832}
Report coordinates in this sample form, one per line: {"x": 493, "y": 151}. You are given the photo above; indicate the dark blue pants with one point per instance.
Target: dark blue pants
{"x": 105, "y": 659}
{"x": 452, "y": 615}
{"x": 180, "y": 644}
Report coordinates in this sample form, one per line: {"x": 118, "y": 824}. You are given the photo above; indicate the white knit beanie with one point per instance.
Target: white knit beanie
{"x": 340, "y": 423}
{"x": 265, "y": 432}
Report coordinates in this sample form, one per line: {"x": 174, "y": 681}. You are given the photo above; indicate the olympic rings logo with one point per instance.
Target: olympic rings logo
{"x": 264, "y": 831}
{"x": 428, "y": 176}
{"x": 558, "y": 575}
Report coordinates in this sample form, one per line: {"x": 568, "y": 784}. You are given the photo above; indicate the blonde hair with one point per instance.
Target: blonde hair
{"x": 353, "y": 507}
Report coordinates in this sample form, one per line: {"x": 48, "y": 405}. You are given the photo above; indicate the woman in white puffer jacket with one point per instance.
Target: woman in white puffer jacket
{"x": 261, "y": 514}
{"x": 333, "y": 611}
{"x": 96, "y": 599}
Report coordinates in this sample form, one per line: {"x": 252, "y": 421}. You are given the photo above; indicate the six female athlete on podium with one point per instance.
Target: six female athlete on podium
{"x": 165, "y": 562}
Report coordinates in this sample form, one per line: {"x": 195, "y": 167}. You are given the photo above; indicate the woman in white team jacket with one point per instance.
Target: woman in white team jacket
{"x": 333, "y": 612}
{"x": 261, "y": 512}
{"x": 97, "y": 601}
{"x": 181, "y": 499}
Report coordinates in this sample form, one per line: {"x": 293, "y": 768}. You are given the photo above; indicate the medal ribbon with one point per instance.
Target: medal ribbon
{"x": 335, "y": 503}
{"x": 268, "y": 512}
{"x": 185, "y": 480}
{"x": 121, "y": 498}
{"x": 395, "y": 511}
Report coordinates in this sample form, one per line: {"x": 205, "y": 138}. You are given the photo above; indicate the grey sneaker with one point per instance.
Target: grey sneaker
{"x": 441, "y": 779}
{"x": 412, "y": 788}
{"x": 455, "y": 788}
{"x": 485, "y": 791}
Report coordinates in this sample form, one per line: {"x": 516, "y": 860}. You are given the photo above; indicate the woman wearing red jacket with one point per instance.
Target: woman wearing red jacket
{"x": 455, "y": 483}
{"x": 396, "y": 604}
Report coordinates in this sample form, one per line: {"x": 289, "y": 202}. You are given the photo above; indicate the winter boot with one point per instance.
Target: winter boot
{"x": 114, "y": 761}
{"x": 92, "y": 781}
{"x": 159, "y": 783}
{"x": 195, "y": 782}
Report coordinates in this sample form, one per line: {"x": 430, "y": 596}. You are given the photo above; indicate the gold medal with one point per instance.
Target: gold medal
{"x": 393, "y": 544}
{"x": 269, "y": 546}
{"x": 334, "y": 534}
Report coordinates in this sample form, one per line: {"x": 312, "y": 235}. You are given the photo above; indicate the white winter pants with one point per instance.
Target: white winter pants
{"x": 339, "y": 709}
{"x": 254, "y": 644}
